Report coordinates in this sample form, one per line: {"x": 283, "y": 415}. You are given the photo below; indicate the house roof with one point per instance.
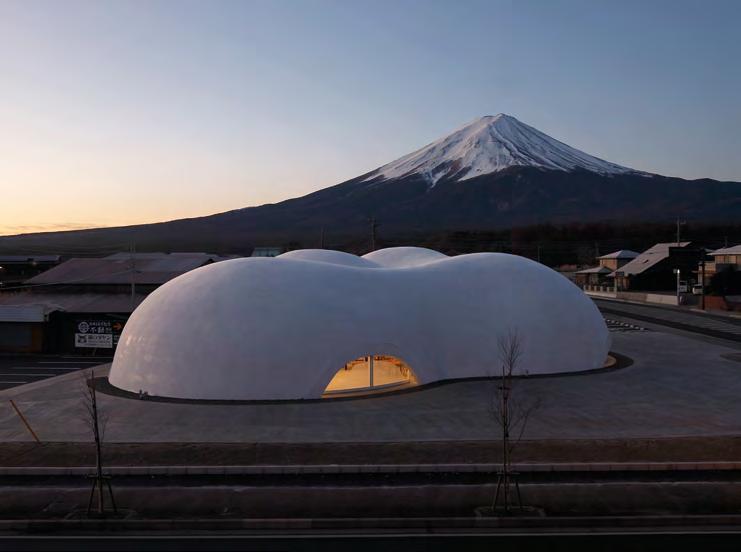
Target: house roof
{"x": 22, "y": 313}
{"x": 595, "y": 270}
{"x": 622, "y": 254}
{"x": 69, "y": 302}
{"x": 649, "y": 258}
{"x": 148, "y": 268}
{"x": 29, "y": 259}
{"x": 733, "y": 250}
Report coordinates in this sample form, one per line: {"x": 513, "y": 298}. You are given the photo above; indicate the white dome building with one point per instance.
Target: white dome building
{"x": 311, "y": 323}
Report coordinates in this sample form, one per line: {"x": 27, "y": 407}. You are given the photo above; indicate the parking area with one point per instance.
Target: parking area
{"x": 19, "y": 369}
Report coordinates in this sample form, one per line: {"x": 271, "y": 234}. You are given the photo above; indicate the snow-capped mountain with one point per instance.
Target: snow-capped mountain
{"x": 492, "y": 173}
{"x": 491, "y": 144}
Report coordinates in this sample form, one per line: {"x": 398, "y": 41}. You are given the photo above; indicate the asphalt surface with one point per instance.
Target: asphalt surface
{"x": 571, "y": 540}
{"x": 20, "y": 369}
{"x": 707, "y": 324}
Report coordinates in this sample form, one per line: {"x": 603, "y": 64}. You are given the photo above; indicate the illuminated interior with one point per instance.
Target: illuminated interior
{"x": 371, "y": 374}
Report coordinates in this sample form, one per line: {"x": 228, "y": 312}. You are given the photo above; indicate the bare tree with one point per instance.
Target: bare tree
{"x": 511, "y": 412}
{"x": 97, "y": 422}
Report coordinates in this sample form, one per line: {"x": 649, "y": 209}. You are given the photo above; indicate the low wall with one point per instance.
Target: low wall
{"x": 598, "y": 293}
{"x": 644, "y": 297}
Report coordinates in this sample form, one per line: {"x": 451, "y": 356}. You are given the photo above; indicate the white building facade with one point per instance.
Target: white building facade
{"x": 282, "y": 328}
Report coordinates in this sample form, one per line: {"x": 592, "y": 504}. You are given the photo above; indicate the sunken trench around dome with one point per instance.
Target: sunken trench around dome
{"x": 287, "y": 327}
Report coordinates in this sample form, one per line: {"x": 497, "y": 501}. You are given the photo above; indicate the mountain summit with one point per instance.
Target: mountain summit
{"x": 491, "y": 144}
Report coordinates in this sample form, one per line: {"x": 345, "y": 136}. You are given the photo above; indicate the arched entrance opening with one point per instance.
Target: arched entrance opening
{"x": 371, "y": 374}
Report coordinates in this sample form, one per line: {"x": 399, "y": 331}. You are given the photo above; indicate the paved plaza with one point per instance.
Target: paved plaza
{"x": 678, "y": 385}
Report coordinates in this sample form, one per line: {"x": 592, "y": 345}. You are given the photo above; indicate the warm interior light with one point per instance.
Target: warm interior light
{"x": 371, "y": 373}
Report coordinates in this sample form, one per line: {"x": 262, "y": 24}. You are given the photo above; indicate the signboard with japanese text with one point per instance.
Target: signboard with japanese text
{"x": 97, "y": 341}
{"x": 97, "y": 333}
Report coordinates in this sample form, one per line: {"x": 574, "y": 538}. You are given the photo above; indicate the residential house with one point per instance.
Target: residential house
{"x": 599, "y": 275}
{"x": 654, "y": 269}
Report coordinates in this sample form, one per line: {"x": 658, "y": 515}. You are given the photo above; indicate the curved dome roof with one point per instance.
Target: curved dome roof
{"x": 329, "y": 256}
{"x": 402, "y": 257}
{"x": 280, "y": 328}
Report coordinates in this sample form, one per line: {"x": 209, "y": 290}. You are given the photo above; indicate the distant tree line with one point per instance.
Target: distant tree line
{"x": 552, "y": 244}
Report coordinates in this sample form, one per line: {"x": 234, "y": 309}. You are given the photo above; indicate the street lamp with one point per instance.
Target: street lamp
{"x": 677, "y": 272}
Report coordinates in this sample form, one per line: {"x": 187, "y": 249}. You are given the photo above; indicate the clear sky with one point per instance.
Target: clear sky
{"x": 126, "y": 112}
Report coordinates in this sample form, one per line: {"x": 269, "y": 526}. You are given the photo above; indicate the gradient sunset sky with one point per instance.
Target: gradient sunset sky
{"x": 118, "y": 112}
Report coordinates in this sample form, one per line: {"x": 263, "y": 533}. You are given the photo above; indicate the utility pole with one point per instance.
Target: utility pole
{"x": 321, "y": 239}
{"x": 679, "y": 224}
{"x": 678, "y": 273}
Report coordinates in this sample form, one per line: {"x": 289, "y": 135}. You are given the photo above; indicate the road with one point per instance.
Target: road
{"x": 568, "y": 540}
{"x": 707, "y": 324}
{"x": 20, "y": 369}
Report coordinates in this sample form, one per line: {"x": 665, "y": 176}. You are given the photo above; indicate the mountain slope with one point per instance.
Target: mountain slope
{"x": 495, "y": 172}
{"x": 492, "y": 144}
